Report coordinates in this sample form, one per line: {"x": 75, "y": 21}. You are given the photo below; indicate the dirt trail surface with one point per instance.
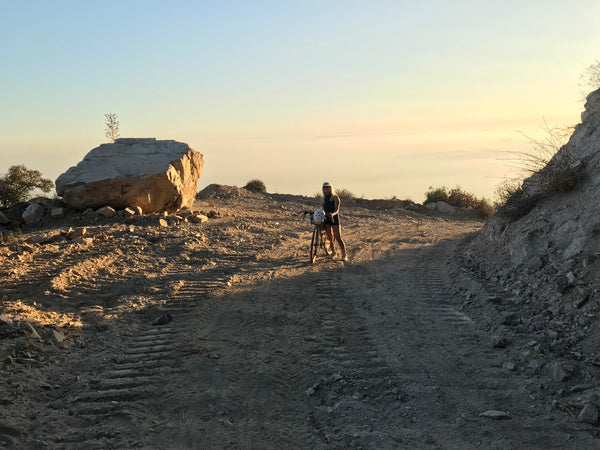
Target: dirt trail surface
{"x": 222, "y": 335}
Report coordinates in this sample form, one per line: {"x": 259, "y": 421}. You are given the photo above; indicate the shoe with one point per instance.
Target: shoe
{"x": 345, "y": 258}
{"x": 329, "y": 251}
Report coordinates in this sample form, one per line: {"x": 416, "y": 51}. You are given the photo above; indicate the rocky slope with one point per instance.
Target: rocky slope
{"x": 541, "y": 256}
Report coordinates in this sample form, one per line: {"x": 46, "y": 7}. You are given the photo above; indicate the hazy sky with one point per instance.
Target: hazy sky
{"x": 379, "y": 97}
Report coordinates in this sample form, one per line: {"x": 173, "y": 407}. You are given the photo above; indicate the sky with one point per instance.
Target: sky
{"x": 381, "y": 98}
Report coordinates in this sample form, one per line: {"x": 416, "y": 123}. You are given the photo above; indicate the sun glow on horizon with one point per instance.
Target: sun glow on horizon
{"x": 387, "y": 98}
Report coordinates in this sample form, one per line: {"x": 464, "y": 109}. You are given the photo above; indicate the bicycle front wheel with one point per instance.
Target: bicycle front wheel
{"x": 314, "y": 244}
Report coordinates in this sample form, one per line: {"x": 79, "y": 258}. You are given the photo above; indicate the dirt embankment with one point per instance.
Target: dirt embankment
{"x": 222, "y": 335}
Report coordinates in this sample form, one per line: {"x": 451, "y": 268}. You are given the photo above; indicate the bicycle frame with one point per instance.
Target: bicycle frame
{"x": 318, "y": 240}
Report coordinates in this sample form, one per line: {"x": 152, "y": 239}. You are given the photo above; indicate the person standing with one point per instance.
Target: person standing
{"x": 331, "y": 206}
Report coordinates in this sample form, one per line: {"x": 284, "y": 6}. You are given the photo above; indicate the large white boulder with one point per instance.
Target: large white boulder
{"x": 154, "y": 175}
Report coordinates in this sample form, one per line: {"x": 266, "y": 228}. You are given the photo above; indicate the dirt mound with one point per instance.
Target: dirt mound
{"x": 221, "y": 191}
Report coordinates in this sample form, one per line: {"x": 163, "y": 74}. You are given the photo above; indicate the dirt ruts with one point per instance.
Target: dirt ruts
{"x": 223, "y": 335}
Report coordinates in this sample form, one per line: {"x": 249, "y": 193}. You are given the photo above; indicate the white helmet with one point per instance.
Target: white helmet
{"x": 318, "y": 217}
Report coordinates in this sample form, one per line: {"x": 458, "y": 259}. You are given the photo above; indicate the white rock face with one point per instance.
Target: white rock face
{"x": 154, "y": 175}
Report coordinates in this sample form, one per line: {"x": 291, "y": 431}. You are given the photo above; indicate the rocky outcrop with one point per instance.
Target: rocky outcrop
{"x": 560, "y": 227}
{"x": 153, "y": 175}
{"x": 544, "y": 261}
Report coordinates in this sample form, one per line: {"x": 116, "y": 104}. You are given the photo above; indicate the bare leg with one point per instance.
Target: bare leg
{"x": 329, "y": 237}
{"x": 337, "y": 231}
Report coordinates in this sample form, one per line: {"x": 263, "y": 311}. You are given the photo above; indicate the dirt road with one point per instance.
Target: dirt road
{"x": 222, "y": 335}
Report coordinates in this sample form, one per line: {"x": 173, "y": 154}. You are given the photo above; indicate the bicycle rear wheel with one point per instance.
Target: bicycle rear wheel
{"x": 314, "y": 244}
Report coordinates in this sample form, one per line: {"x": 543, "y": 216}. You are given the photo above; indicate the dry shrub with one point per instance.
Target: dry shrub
{"x": 256, "y": 186}
{"x": 507, "y": 189}
{"x": 484, "y": 209}
{"x": 461, "y": 199}
{"x": 549, "y": 162}
{"x": 344, "y": 194}
{"x": 513, "y": 203}
{"x": 558, "y": 175}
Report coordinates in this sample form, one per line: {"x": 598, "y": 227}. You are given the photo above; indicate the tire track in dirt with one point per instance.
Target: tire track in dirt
{"x": 104, "y": 412}
{"x": 444, "y": 361}
{"x": 356, "y": 397}
{"x": 248, "y": 402}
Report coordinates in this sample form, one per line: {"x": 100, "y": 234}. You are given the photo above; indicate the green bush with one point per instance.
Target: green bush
{"x": 433, "y": 195}
{"x": 256, "y": 186}
{"x": 17, "y": 185}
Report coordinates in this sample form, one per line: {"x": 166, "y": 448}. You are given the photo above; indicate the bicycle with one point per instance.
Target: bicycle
{"x": 318, "y": 240}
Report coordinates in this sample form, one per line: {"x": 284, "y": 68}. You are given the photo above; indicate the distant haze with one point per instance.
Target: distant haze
{"x": 383, "y": 98}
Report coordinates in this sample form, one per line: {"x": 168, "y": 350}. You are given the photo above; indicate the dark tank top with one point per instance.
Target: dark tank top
{"x": 328, "y": 204}
{"x": 329, "y": 207}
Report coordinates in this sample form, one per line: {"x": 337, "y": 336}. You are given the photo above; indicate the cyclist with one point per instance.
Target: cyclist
{"x": 331, "y": 206}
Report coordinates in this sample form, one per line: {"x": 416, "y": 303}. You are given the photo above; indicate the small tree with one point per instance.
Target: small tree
{"x": 18, "y": 183}
{"x": 112, "y": 126}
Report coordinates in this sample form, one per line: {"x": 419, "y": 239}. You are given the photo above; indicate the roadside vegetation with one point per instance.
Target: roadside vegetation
{"x": 18, "y": 184}
{"x": 459, "y": 198}
{"x": 556, "y": 171}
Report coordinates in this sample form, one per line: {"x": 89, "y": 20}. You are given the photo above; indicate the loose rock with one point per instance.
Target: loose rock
{"x": 498, "y": 341}
{"x": 561, "y": 371}
{"x": 496, "y": 415}
{"x": 107, "y": 211}
{"x": 589, "y": 414}
{"x": 55, "y": 336}
{"x": 76, "y": 233}
{"x": 163, "y": 319}
{"x": 57, "y": 213}
{"x": 33, "y": 214}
